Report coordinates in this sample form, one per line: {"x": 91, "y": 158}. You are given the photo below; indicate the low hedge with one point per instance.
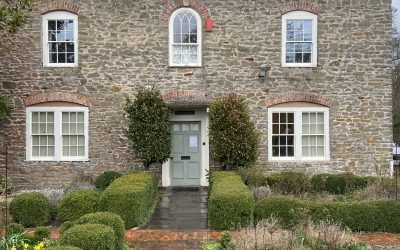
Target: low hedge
{"x": 109, "y": 219}
{"x": 370, "y": 216}
{"x": 338, "y": 183}
{"x": 78, "y": 203}
{"x": 31, "y": 209}
{"x": 132, "y": 197}
{"x": 230, "y": 202}
{"x": 89, "y": 237}
{"x": 105, "y": 179}
{"x": 63, "y": 248}
{"x": 15, "y": 228}
{"x": 289, "y": 182}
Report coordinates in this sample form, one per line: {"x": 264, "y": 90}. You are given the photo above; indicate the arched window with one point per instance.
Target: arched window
{"x": 299, "y": 39}
{"x": 185, "y": 38}
{"x": 60, "y": 39}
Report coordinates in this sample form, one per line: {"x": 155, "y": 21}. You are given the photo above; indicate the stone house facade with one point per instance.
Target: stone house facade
{"x": 315, "y": 74}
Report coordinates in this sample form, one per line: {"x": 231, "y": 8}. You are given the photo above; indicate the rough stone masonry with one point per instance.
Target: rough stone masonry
{"x": 123, "y": 44}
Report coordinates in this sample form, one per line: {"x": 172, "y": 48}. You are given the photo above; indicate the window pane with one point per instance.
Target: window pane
{"x": 61, "y": 58}
{"x": 35, "y": 140}
{"x": 320, "y": 152}
{"x": 306, "y": 58}
{"x": 177, "y": 38}
{"x": 298, "y": 36}
{"x": 43, "y": 151}
{"x": 289, "y": 25}
{"x": 52, "y": 25}
{"x": 298, "y": 58}
{"x": 53, "y": 57}
{"x": 193, "y": 38}
{"x": 275, "y": 117}
{"x": 65, "y": 128}
{"x": 283, "y": 117}
{"x": 81, "y": 151}
{"x": 290, "y": 57}
{"x": 35, "y": 128}
{"x": 73, "y": 140}
{"x": 307, "y": 36}
{"x": 185, "y": 38}
{"x": 70, "y": 47}
{"x": 42, "y": 116}
{"x": 290, "y": 36}
{"x": 50, "y": 141}
{"x": 52, "y": 36}
{"x": 65, "y": 151}
{"x": 298, "y": 25}
{"x": 65, "y": 117}
{"x": 177, "y": 25}
{"x": 298, "y": 47}
{"x": 307, "y": 47}
{"x": 275, "y": 128}
{"x": 65, "y": 140}
{"x": 51, "y": 151}
{"x": 72, "y": 117}
{"x": 42, "y": 128}
{"x": 70, "y": 58}
{"x": 81, "y": 140}
{"x": 290, "y": 47}
{"x": 35, "y": 151}
{"x": 308, "y": 25}
{"x": 69, "y": 36}
{"x": 73, "y": 151}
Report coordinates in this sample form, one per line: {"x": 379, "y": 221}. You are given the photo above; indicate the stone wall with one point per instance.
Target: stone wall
{"x": 123, "y": 44}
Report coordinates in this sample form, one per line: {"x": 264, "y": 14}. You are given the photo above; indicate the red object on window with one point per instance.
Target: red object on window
{"x": 209, "y": 24}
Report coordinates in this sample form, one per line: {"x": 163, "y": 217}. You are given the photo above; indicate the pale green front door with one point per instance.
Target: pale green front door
{"x": 185, "y": 167}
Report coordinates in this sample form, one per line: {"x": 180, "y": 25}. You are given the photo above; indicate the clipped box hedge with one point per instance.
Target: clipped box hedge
{"x": 370, "y": 216}
{"x": 78, "y": 203}
{"x": 31, "y": 209}
{"x": 89, "y": 237}
{"x": 109, "y": 219}
{"x": 230, "y": 202}
{"x": 339, "y": 183}
{"x": 132, "y": 197}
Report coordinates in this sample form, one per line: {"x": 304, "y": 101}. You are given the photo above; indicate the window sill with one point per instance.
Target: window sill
{"x": 61, "y": 66}
{"x": 299, "y": 161}
{"x": 299, "y": 66}
{"x": 52, "y": 160}
{"x": 184, "y": 66}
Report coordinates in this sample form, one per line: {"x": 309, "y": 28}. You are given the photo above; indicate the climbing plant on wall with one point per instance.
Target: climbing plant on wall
{"x": 4, "y": 107}
{"x": 13, "y": 13}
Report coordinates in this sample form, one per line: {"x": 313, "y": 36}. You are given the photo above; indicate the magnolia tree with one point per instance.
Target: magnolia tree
{"x": 13, "y": 13}
{"x": 149, "y": 127}
{"x": 233, "y": 134}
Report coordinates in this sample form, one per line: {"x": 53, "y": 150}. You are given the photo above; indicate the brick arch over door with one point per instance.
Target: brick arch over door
{"x": 172, "y": 5}
{"x": 57, "y": 97}
{"x": 60, "y": 5}
{"x": 299, "y": 97}
{"x": 303, "y": 5}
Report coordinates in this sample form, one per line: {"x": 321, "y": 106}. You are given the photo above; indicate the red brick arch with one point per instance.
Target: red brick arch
{"x": 172, "y": 5}
{"x": 63, "y": 5}
{"x": 303, "y": 5}
{"x": 299, "y": 97}
{"x": 57, "y": 97}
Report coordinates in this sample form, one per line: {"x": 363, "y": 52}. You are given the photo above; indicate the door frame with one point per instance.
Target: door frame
{"x": 201, "y": 115}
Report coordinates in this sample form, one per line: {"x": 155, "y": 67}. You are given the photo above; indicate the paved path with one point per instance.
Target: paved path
{"x": 180, "y": 209}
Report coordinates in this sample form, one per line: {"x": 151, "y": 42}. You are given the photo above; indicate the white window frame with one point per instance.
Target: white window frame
{"x": 57, "y": 133}
{"x": 298, "y": 134}
{"x": 301, "y": 15}
{"x": 58, "y": 15}
{"x": 199, "y": 39}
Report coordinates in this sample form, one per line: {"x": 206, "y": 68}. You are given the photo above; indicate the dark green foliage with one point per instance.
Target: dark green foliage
{"x": 149, "y": 127}
{"x": 233, "y": 135}
{"x": 63, "y": 248}
{"x": 13, "y": 14}
{"x": 15, "y": 228}
{"x": 65, "y": 226}
{"x": 41, "y": 233}
{"x": 104, "y": 180}
{"x": 31, "y": 209}
{"x": 4, "y": 107}
{"x": 225, "y": 242}
{"x": 289, "y": 182}
{"x": 230, "y": 203}
{"x": 285, "y": 209}
{"x": 132, "y": 197}
{"x": 109, "y": 219}
{"x": 253, "y": 177}
{"x": 338, "y": 184}
{"x": 78, "y": 203}
{"x": 372, "y": 216}
{"x": 89, "y": 237}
